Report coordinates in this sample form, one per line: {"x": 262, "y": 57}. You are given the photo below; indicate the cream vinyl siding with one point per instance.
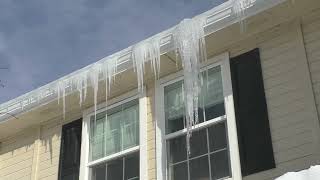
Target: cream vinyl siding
{"x": 27, "y": 157}
{"x": 49, "y": 151}
{"x": 16, "y": 156}
{"x": 151, "y": 147}
{"x": 311, "y": 34}
{"x": 291, "y": 107}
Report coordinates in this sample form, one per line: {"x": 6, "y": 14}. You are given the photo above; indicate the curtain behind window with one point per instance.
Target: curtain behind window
{"x": 117, "y": 131}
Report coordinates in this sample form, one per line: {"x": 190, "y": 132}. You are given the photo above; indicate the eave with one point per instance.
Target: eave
{"x": 218, "y": 20}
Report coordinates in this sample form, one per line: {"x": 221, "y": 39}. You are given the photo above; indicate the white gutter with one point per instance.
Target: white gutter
{"x": 216, "y": 19}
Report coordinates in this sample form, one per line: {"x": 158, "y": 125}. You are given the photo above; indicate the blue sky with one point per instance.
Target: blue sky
{"x": 42, "y": 40}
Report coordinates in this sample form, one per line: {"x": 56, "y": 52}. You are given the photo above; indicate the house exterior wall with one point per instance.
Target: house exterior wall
{"x": 16, "y": 156}
{"x": 291, "y": 106}
{"x": 290, "y": 65}
{"x": 151, "y": 144}
{"x": 311, "y": 35}
{"x": 32, "y": 154}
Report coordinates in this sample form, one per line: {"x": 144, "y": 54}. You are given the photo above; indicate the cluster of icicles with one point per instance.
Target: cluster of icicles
{"x": 189, "y": 42}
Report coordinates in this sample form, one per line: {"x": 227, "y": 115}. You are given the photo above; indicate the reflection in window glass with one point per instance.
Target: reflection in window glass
{"x": 178, "y": 171}
{"x": 116, "y": 132}
{"x": 217, "y": 137}
{"x": 132, "y": 167}
{"x": 202, "y": 157}
{"x": 115, "y": 169}
{"x": 220, "y": 164}
{"x": 199, "y": 168}
{"x": 211, "y": 101}
{"x": 177, "y": 149}
{"x": 126, "y": 167}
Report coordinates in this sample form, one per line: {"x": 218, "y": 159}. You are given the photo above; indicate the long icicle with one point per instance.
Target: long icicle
{"x": 61, "y": 87}
{"x": 143, "y": 52}
{"x": 190, "y": 46}
{"x": 94, "y": 78}
{"x": 109, "y": 71}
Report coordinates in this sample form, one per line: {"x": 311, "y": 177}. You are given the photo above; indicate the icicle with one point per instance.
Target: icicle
{"x": 79, "y": 85}
{"x": 190, "y": 46}
{"x": 141, "y": 53}
{"x": 239, "y": 7}
{"x": 154, "y": 55}
{"x": 94, "y": 78}
{"x": 61, "y": 87}
{"x": 109, "y": 70}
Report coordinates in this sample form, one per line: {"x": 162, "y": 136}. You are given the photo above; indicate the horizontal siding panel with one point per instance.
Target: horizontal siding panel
{"x": 54, "y": 162}
{"x": 294, "y": 153}
{"x": 16, "y": 152}
{"x": 16, "y": 167}
{"x": 17, "y": 159}
{"x": 48, "y": 172}
{"x": 290, "y": 119}
{"x": 292, "y": 142}
{"x": 20, "y": 174}
{"x": 290, "y": 131}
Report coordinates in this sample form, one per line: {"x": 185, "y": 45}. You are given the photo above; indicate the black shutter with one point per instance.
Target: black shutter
{"x": 69, "y": 162}
{"x": 255, "y": 145}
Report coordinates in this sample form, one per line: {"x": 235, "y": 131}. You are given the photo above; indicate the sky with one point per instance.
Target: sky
{"x": 43, "y": 40}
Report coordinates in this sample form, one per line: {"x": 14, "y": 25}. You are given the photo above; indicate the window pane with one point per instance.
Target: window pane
{"x": 132, "y": 167}
{"x": 177, "y": 149}
{"x": 116, "y": 132}
{"x": 97, "y": 140}
{"x": 178, "y": 172}
{"x": 211, "y": 100}
{"x": 115, "y": 170}
{"x": 99, "y": 172}
{"x": 211, "y": 97}
{"x": 217, "y": 136}
{"x": 199, "y": 168}
{"x": 174, "y": 107}
{"x": 130, "y": 127}
{"x": 198, "y": 143}
{"x": 220, "y": 164}
{"x": 113, "y": 126}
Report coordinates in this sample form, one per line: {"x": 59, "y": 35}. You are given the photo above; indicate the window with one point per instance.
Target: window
{"x": 114, "y": 142}
{"x": 115, "y": 133}
{"x": 210, "y": 155}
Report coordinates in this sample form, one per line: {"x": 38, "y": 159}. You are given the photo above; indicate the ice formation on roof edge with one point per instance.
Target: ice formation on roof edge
{"x": 189, "y": 42}
{"x": 239, "y": 8}
{"x": 143, "y": 52}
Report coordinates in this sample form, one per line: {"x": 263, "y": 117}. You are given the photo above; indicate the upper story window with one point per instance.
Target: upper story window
{"x": 210, "y": 157}
{"x": 112, "y": 135}
{"x": 113, "y": 139}
{"x": 116, "y": 132}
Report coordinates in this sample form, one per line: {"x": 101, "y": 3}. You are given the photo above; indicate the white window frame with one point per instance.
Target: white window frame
{"x": 85, "y": 163}
{"x": 161, "y": 137}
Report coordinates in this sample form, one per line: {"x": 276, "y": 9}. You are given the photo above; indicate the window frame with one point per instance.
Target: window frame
{"x": 221, "y": 60}
{"x": 86, "y": 164}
